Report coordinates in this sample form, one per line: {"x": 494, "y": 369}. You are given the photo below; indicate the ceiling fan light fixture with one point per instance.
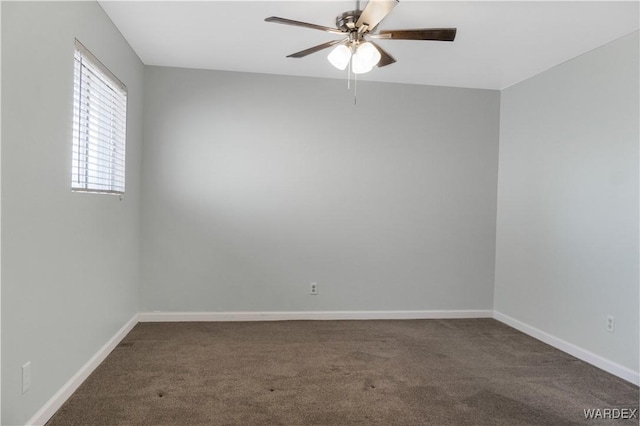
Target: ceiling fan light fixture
{"x": 340, "y": 56}
{"x": 365, "y": 58}
{"x": 355, "y": 26}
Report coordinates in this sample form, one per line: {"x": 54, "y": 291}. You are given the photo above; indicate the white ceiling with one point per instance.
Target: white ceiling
{"x": 498, "y": 43}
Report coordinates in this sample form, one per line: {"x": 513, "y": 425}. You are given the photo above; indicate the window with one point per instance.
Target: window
{"x": 99, "y": 126}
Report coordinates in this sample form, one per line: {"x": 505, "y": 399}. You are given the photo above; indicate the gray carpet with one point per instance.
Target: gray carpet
{"x": 436, "y": 372}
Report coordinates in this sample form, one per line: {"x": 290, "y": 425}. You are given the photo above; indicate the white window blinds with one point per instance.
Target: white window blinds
{"x": 99, "y": 126}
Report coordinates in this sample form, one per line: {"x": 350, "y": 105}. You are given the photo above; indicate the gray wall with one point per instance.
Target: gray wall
{"x": 70, "y": 262}
{"x": 0, "y": 223}
{"x": 255, "y": 185}
{"x": 567, "y": 233}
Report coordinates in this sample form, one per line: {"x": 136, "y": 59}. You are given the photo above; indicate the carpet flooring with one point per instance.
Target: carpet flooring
{"x": 403, "y": 372}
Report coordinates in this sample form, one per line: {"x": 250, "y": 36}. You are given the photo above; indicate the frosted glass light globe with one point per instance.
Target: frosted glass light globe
{"x": 339, "y": 57}
{"x": 369, "y": 54}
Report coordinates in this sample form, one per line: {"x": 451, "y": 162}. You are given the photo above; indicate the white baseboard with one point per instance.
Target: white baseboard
{"x": 50, "y": 407}
{"x": 578, "y": 352}
{"x": 313, "y": 315}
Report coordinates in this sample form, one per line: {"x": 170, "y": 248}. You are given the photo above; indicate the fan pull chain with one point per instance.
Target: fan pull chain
{"x": 355, "y": 83}
{"x": 355, "y": 89}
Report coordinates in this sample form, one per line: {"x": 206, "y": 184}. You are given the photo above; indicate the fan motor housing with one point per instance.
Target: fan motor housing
{"x": 347, "y": 20}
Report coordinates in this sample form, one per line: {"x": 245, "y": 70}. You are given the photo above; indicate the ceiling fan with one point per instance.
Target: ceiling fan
{"x": 357, "y": 28}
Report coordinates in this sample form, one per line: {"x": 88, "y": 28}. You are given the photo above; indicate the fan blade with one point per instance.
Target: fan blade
{"x": 385, "y": 58}
{"x": 374, "y": 12}
{"x": 285, "y": 21}
{"x": 438, "y": 34}
{"x": 315, "y": 49}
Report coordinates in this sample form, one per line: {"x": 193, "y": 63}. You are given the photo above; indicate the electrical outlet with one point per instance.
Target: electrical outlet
{"x": 313, "y": 289}
{"x": 26, "y": 377}
{"x": 611, "y": 324}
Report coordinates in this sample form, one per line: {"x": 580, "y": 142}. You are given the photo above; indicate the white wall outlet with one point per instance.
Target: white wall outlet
{"x": 313, "y": 289}
{"x": 26, "y": 377}
{"x": 611, "y": 323}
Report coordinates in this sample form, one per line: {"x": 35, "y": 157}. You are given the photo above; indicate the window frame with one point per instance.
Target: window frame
{"x": 99, "y": 126}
